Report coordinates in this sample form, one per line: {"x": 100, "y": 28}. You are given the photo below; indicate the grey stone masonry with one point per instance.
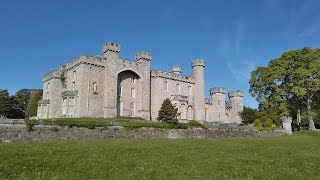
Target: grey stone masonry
{"x": 109, "y": 86}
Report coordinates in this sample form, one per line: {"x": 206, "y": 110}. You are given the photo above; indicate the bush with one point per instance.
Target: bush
{"x": 135, "y": 125}
{"x": 30, "y": 123}
{"x": 77, "y": 122}
{"x": 195, "y": 124}
{"x": 257, "y": 123}
{"x": 268, "y": 123}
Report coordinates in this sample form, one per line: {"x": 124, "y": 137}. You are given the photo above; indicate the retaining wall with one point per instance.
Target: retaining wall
{"x": 20, "y": 133}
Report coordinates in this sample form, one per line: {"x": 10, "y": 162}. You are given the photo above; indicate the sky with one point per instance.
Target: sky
{"x": 234, "y": 37}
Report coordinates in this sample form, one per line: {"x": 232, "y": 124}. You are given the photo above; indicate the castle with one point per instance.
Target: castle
{"x": 109, "y": 86}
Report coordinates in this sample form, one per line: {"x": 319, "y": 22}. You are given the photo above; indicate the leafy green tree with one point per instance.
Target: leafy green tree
{"x": 35, "y": 96}
{"x": 248, "y": 115}
{"x": 168, "y": 113}
{"x": 289, "y": 82}
{"x": 22, "y": 97}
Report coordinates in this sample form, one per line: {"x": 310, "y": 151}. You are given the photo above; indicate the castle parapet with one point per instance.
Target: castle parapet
{"x": 198, "y": 62}
{"x": 143, "y": 56}
{"x": 235, "y": 94}
{"x": 111, "y": 50}
{"x": 110, "y": 46}
{"x": 217, "y": 90}
{"x": 176, "y": 69}
{"x": 172, "y": 76}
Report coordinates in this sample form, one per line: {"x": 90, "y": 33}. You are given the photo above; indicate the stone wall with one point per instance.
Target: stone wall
{"x": 19, "y": 133}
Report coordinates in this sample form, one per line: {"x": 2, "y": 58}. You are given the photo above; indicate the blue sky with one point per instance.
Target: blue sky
{"x": 234, "y": 37}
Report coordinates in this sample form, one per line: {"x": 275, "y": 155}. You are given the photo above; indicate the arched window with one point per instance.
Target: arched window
{"x": 178, "y": 88}
{"x": 133, "y": 93}
{"x": 189, "y": 90}
{"x": 206, "y": 114}
{"x": 95, "y": 87}
{"x": 73, "y": 85}
{"x": 132, "y": 109}
{"x": 133, "y": 80}
{"x": 166, "y": 86}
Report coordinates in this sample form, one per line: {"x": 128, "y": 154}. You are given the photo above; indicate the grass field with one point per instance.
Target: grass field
{"x": 288, "y": 157}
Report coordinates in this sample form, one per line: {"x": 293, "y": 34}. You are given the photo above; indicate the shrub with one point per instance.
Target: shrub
{"x": 78, "y": 122}
{"x": 135, "y": 125}
{"x": 196, "y": 124}
{"x": 268, "y": 123}
{"x": 257, "y": 123}
{"x": 30, "y": 123}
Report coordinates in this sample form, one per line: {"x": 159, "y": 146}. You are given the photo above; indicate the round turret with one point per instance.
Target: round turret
{"x": 198, "y": 62}
{"x": 110, "y": 46}
{"x": 143, "y": 56}
{"x": 217, "y": 90}
{"x": 235, "y": 94}
{"x": 176, "y": 69}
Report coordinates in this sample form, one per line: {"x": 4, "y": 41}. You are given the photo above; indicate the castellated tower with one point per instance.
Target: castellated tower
{"x": 111, "y": 50}
{"x": 236, "y": 103}
{"x": 176, "y": 69}
{"x": 198, "y": 93}
{"x": 218, "y": 101}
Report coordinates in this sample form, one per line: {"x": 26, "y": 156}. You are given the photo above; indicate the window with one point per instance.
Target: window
{"x": 178, "y": 88}
{"x": 95, "y": 87}
{"x": 190, "y": 90}
{"x": 71, "y": 106}
{"x": 133, "y": 93}
{"x": 132, "y": 81}
{"x": 74, "y": 74}
{"x": 206, "y": 114}
{"x": 48, "y": 86}
{"x": 73, "y": 85}
{"x": 166, "y": 86}
{"x": 219, "y": 102}
{"x": 47, "y": 95}
{"x": 64, "y": 106}
{"x": 132, "y": 109}
{"x": 121, "y": 91}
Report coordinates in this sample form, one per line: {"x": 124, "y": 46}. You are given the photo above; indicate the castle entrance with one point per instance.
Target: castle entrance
{"x": 128, "y": 93}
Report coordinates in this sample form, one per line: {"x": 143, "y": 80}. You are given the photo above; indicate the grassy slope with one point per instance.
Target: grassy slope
{"x": 285, "y": 157}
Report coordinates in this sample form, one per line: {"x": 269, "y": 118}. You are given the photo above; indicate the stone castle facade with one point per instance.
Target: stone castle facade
{"x": 109, "y": 86}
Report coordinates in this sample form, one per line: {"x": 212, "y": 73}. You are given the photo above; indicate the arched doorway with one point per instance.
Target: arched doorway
{"x": 128, "y": 82}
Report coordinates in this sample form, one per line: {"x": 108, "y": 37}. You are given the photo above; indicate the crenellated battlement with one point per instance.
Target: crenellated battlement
{"x": 217, "y": 90}
{"x": 198, "y": 62}
{"x": 142, "y": 55}
{"x": 110, "y": 46}
{"x": 176, "y": 69}
{"x": 235, "y": 94}
{"x": 172, "y": 76}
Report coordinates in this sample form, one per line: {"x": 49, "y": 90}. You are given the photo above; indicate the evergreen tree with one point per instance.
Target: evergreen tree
{"x": 168, "y": 113}
{"x": 35, "y": 96}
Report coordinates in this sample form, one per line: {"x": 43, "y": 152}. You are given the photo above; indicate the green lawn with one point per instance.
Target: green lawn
{"x": 294, "y": 157}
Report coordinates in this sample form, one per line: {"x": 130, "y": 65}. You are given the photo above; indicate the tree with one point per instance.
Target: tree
{"x": 168, "y": 113}
{"x": 35, "y": 96}
{"x": 4, "y": 103}
{"x": 248, "y": 115}
{"x": 22, "y": 97}
{"x": 289, "y": 82}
